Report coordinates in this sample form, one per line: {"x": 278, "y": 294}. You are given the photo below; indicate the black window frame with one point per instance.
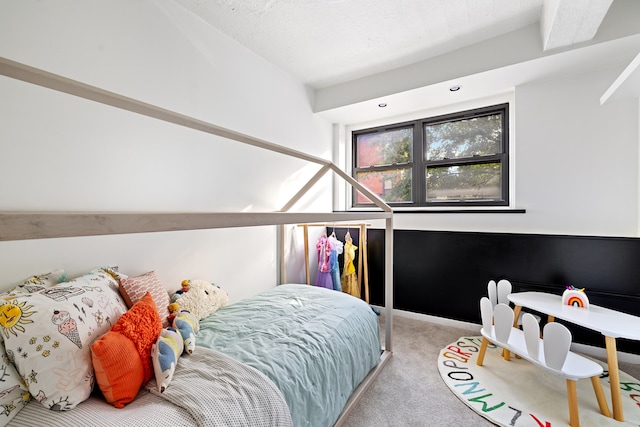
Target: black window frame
{"x": 419, "y": 163}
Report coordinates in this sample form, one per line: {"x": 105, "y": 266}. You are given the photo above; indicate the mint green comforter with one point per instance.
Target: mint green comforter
{"x": 315, "y": 344}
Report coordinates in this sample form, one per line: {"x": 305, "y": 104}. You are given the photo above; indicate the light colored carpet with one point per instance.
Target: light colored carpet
{"x": 410, "y": 392}
{"x": 518, "y": 393}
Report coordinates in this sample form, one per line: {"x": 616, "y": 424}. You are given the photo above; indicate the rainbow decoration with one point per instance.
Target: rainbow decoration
{"x": 575, "y": 297}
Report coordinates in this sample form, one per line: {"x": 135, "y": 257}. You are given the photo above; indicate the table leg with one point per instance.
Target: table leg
{"x": 614, "y": 378}
{"x": 516, "y": 315}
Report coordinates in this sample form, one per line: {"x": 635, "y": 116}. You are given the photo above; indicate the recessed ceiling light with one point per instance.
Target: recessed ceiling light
{"x": 455, "y": 88}
{"x": 382, "y": 104}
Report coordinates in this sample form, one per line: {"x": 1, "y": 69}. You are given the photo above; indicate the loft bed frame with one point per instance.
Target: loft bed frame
{"x": 44, "y": 224}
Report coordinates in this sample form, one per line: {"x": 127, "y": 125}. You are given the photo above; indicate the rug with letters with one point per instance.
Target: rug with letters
{"x": 517, "y": 393}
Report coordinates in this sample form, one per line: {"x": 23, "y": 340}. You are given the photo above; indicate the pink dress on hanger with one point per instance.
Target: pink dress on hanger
{"x": 323, "y": 279}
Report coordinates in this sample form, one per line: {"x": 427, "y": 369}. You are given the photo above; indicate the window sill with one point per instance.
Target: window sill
{"x": 452, "y": 211}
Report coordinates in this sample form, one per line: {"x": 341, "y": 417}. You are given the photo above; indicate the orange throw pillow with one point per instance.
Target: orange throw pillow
{"x": 122, "y": 357}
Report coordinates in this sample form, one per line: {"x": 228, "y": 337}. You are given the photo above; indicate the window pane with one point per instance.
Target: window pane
{"x": 391, "y": 185}
{"x": 477, "y": 136}
{"x": 470, "y": 182}
{"x": 384, "y": 148}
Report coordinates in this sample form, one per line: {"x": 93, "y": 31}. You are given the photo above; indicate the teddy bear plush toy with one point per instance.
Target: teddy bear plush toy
{"x": 199, "y": 297}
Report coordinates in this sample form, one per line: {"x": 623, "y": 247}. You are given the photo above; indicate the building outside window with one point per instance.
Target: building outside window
{"x": 458, "y": 159}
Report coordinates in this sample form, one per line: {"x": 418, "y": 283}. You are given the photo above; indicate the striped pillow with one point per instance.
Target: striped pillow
{"x": 133, "y": 289}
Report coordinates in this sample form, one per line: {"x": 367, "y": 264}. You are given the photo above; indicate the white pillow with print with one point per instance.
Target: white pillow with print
{"x": 49, "y": 334}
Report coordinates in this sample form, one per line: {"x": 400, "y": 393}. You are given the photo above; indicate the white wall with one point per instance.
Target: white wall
{"x": 638, "y": 188}
{"x": 67, "y": 154}
{"x": 575, "y": 162}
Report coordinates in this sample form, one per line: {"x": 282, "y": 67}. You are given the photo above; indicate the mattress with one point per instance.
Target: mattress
{"x": 315, "y": 344}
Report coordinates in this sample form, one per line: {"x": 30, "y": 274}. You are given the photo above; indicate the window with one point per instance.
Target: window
{"x": 459, "y": 159}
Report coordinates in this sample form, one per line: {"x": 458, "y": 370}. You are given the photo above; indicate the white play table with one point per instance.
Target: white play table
{"x": 610, "y": 323}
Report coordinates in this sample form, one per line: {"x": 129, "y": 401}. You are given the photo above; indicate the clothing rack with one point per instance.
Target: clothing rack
{"x": 363, "y": 268}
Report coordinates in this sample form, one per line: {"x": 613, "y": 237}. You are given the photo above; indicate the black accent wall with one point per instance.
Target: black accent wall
{"x": 445, "y": 274}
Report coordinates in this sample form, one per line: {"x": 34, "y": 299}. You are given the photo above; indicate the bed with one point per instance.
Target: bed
{"x": 294, "y": 361}
{"x": 325, "y": 349}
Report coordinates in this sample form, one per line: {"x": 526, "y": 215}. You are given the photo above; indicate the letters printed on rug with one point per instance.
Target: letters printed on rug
{"x": 456, "y": 363}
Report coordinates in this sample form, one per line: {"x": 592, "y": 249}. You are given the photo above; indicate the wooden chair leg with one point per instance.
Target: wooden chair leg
{"x": 483, "y": 350}
{"x": 572, "y": 393}
{"x": 602, "y": 401}
{"x": 506, "y": 355}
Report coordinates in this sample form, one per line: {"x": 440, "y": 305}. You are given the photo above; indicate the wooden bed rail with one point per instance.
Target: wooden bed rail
{"x": 26, "y": 73}
{"x": 38, "y": 225}
{"x": 43, "y": 225}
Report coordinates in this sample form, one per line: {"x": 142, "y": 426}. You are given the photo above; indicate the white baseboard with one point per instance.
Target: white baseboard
{"x": 599, "y": 352}
{"x": 435, "y": 319}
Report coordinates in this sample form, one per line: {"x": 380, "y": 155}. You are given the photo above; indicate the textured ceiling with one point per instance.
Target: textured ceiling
{"x": 356, "y": 54}
{"x": 326, "y": 42}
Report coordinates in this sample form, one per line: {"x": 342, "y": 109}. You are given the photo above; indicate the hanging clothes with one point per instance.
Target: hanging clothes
{"x": 337, "y": 248}
{"x": 349, "y": 276}
{"x": 323, "y": 278}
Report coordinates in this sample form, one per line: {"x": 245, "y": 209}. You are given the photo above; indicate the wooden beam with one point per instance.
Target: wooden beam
{"x": 39, "y": 225}
{"x": 364, "y": 190}
{"x": 314, "y": 179}
{"x": 59, "y": 83}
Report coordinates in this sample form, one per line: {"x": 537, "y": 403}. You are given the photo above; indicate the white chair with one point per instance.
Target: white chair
{"x": 497, "y": 327}
{"x": 550, "y": 352}
{"x": 492, "y": 292}
{"x": 493, "y": 321}
{"x": 499, "y": 294}
{"x": 504, "y": 290}
{"x": 531, "y": 329}
{"x": 556, "y": 343}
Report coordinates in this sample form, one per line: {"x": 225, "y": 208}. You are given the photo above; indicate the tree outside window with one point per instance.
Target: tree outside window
{"x": 459, "y": 159}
